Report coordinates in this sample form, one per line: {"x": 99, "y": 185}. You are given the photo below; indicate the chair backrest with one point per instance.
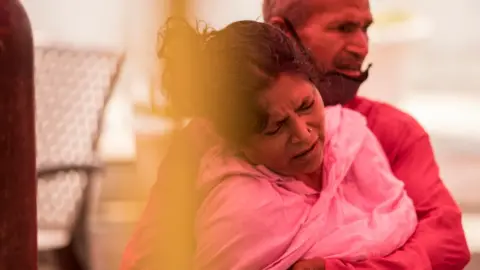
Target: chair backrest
{"x": 72, "y": 89}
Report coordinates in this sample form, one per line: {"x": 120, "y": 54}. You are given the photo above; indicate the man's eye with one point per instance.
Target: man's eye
{"x": 347, "y": 28}
{"x": 365, "y": 29}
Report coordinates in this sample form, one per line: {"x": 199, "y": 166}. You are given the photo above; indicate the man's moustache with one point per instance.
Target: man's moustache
{"x": 338, "y": 88}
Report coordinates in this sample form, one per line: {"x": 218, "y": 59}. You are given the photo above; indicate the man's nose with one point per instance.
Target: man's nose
{"x": 359, "y": 44}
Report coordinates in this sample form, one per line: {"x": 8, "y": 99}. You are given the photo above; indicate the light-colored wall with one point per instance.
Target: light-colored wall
{"x": 93, "y": 23}
{"x": 401, "y": 54}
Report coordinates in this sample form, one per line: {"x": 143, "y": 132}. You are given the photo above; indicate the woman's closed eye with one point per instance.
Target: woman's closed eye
{"x": 274, "y": 130}
{"x": 307, "y": 105}
{"x": 304, "y": 107}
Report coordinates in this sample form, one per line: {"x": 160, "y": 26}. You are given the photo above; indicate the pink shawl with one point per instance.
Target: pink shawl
{"x": 252, "y": 218}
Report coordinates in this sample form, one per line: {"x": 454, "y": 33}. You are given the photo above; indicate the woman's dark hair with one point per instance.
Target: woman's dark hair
{"x": 218, "y": 75}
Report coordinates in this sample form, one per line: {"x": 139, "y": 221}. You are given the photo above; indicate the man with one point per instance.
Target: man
{"x": 335, "y": 32}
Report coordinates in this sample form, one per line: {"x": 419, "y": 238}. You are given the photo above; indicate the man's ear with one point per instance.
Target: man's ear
{"x": 280, "y": 23}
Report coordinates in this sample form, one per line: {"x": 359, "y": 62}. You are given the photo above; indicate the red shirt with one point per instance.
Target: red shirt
{"x": 439, "y": 242}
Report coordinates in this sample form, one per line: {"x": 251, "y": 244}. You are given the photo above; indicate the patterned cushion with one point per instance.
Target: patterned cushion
{"x": 58, "y": 199}
{"x": 72, "y": 88}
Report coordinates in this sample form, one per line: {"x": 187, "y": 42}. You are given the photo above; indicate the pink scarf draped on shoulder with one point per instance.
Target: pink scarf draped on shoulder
{"x": 252, "y": 218}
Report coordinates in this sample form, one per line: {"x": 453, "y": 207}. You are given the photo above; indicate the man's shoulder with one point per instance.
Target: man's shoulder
{"x": 383, "y": 117}
{"x": 395, "y": 130}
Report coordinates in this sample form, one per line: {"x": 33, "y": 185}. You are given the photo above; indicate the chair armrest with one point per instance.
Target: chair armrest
{"x": 89, "y": 168}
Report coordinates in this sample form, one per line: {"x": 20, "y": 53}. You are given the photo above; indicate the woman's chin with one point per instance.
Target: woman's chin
{"x": 315, "y": 163}
{"x": 309, "y": 165}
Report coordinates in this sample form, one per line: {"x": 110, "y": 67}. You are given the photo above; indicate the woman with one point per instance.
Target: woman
{"x": 288, "y": 179}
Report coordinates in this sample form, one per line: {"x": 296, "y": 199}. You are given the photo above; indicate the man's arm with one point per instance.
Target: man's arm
{"x": 439, "y": 242}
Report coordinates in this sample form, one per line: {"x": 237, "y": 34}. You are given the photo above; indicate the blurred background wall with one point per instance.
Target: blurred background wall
{"x": 425, "y": 61}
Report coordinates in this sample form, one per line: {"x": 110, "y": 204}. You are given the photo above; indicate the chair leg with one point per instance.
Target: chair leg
{"x": 67, "y": 259}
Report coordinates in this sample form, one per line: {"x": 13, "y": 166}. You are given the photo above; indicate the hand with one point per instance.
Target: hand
{"x": 310, "y": 264}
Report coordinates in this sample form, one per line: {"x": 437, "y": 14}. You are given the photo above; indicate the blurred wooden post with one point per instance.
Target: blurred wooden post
{"x": 178, "y": 194}
{"x": 178, "y": 7}
{"x": 18, "y": 219}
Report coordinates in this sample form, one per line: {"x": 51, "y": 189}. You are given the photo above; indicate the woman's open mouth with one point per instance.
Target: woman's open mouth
{"x": 307, "y": 151}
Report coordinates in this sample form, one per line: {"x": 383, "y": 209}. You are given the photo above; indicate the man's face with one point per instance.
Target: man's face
{"x": 337, "y": 35}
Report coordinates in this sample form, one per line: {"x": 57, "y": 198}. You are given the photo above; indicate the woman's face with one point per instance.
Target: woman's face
{"x": 293, "y": 140}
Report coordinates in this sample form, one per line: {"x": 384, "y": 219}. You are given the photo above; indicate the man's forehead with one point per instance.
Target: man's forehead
{"x": 343, "y": 9}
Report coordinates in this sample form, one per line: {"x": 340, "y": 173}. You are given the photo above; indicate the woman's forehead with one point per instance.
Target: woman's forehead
{"x": 287, "y": 93}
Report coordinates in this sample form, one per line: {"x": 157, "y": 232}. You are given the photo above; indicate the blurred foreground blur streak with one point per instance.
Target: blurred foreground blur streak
{"x": 18, "y": 241}
{"x": 174, "y": 242}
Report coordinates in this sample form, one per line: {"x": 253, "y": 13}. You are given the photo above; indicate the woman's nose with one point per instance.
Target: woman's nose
{"x": 301, "y": 133}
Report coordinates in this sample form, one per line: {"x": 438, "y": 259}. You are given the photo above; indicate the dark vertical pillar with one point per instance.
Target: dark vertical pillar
{"x": 18, "y": 226}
